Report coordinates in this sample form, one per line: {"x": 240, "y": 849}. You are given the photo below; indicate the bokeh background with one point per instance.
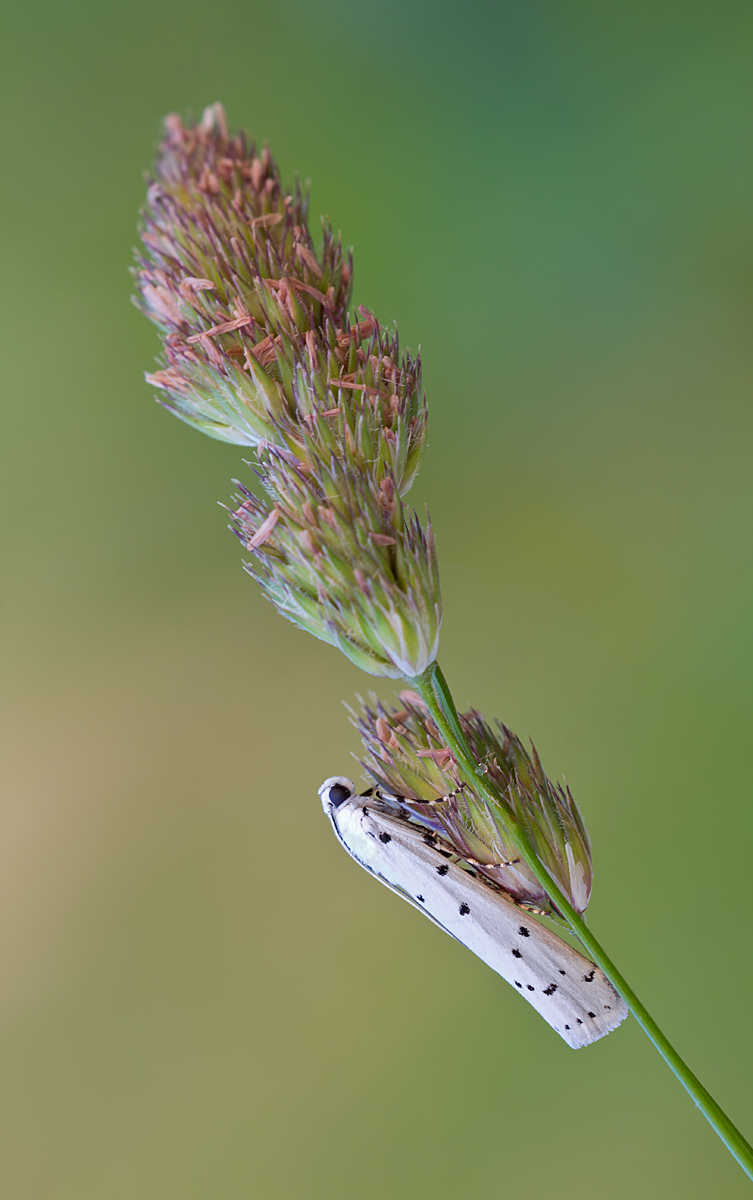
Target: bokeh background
{"x": 203, "y": 997}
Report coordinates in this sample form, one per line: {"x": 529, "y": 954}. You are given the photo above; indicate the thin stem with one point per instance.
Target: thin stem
{"x": 432, "y": 686}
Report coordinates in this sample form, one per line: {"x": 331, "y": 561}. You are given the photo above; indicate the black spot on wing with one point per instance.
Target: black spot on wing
{"x": 385, "y": 837}
{"x": 550, "y": 990}
{"x": 589, "y": 978}
{"x": 443, "y": 869}
{"x": 518, "y": 984}
{"x": 562, "y": 972}
{"x": 530, "y": 987}
{"x": 464, "y": 910}
{"x": 524, "y": 932}
{"x": 567, "y": 1027}
{"x": 430, "y": 839}
{"x": 517, "y": 954}
{"x": 592, "y": 1015}
{"x": 421, "y": 899}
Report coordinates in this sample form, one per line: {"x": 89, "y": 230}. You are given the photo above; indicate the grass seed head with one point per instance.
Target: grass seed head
{"x": 405, "y": 754}
{"x": 336, "y": 553}
{"x": 257, "y": 338}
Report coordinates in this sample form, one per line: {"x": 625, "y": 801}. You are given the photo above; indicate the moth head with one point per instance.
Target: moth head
{"x": 335, "y": 791}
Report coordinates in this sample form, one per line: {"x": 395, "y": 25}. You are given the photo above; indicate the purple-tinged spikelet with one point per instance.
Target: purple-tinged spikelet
{"x": 257, "y": 338}
{"x": 260, "y": 349}
{"x": 337, "y": 554}
{"x": 405, "y": 754}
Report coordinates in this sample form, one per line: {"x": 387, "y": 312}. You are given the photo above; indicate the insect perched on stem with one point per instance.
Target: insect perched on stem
{"x": 568, "y": 990}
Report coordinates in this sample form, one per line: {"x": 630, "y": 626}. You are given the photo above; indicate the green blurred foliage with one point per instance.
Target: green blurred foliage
{"x": 203, "y": 997}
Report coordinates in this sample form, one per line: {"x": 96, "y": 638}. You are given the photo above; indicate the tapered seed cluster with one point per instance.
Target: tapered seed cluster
{"x": 260, "y": 348}
{"x": 405, "y": 754}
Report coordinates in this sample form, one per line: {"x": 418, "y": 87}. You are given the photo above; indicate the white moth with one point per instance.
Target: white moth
{"x": 569, "y": 991}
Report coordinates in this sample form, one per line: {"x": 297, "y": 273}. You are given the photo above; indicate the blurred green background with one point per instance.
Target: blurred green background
{"x": 203, "y": 996}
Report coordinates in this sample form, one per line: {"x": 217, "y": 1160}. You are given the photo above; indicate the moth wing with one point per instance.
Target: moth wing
{"x": 570, "y": 992}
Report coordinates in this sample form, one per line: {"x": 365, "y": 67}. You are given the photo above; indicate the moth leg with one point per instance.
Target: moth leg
{"x": 412, "y": 799}
{"x": 475, "y": 862}
{"x": 445, "y": 799}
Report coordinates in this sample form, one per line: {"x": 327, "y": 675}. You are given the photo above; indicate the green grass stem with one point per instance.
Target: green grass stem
{"x": 432, "y": 686}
